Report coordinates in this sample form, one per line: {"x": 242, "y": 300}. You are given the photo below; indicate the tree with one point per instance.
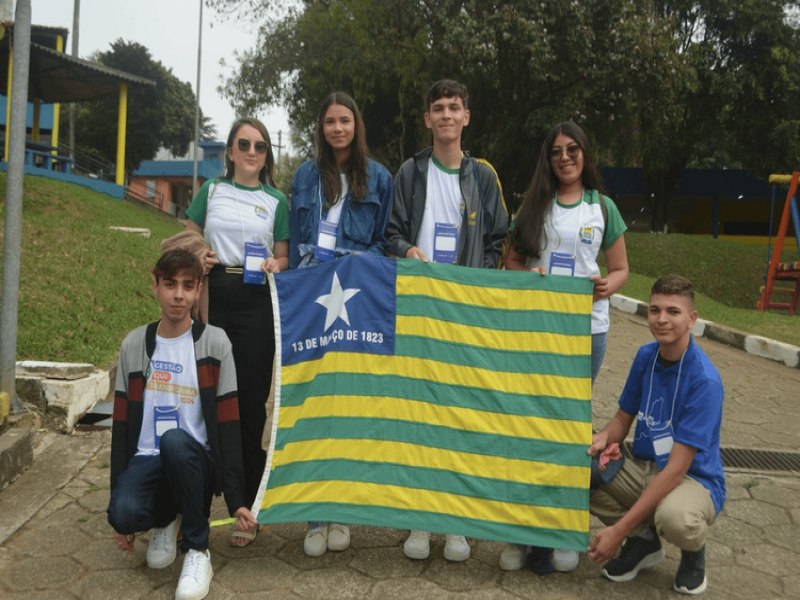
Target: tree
{"x": 208, "y": 129}
{"x": 324, "y": 47}
{"x": 160, "y": 116}
{"x": 735, "y": 104}
{"x": 528, "y": 65}
{"x": 659, "y": 84}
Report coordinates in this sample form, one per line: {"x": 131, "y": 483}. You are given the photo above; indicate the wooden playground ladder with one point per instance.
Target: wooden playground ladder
{"x": 777, "y": 271}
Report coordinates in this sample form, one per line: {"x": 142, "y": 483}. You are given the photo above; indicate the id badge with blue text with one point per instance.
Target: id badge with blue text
{"x": 326, "y": 241}
{"x": 164, "y": 419}
{"x": 662, "y": 445}
{"x": 254, "y": 255}
{"x": 445, "y": 243}
{"x": 561, "y": 263}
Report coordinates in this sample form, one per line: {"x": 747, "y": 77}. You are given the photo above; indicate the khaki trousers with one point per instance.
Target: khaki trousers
{"x": 682, "y": 517}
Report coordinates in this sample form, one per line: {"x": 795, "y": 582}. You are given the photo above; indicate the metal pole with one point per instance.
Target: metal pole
{"x": 197, "y": 102}
{"x": 12, "y": 248}
{"x": 76, "y": 21}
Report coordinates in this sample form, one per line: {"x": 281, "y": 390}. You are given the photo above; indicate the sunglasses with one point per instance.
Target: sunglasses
{"x": 572, "y": 151}
{"x": 244, "y": 146}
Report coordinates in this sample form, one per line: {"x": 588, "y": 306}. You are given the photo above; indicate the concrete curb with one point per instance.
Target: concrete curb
{"x": 752, "y": 344}
{"x": 16, "y": 447}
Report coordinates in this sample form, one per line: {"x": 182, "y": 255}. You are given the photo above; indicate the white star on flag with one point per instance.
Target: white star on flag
{"x": 334, "y": 302}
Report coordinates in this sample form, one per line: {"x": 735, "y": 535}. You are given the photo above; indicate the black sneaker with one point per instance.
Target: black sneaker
{"x": 637, "y": 553}
{"x": 691, "y": 575}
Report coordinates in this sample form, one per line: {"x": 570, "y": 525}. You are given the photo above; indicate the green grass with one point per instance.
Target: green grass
{"x": 729, "y": 271}
{"x": 726, "y": 274}
{"x": 83, "y": 286}
{"x": 775, "y": 325}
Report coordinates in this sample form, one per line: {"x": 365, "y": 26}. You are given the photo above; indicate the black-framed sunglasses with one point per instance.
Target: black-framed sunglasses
{"x": 572, "y": 151}
{"x": 244, "y": 146}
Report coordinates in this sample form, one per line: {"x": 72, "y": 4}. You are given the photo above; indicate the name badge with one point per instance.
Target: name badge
{"x": 164, "y": 419}
{"x": 662, "y": 445}
{"x": 561, "y": 263}
{"x": 326, "y": 241}
{"x": 254, "y": 255}
{"x": 445, "y": 243}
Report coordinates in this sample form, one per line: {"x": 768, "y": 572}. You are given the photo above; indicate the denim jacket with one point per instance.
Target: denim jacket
{"x": 361, "y": 226}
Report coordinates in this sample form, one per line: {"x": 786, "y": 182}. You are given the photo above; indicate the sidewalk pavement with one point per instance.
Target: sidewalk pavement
{"x": 55, "y": 541}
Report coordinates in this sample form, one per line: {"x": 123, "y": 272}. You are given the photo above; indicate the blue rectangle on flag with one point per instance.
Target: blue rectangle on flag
{"x": 347, "y": 306}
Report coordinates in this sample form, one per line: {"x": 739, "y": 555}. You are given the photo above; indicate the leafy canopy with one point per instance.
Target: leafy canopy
{"x": 160, "y": 116}
{"x": 657, "y": 84}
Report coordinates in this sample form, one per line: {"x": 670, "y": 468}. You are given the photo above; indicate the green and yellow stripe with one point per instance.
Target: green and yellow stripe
{"x": 478, "y": 424}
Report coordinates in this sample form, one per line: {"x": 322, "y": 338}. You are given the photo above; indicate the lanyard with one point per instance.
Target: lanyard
{"x": 647, "y": 414}
{"x": 319, "y": 196}
{"x": 577, "y": 227}
{"x": 241, "y": 220}
{"x": 340, "y": 198}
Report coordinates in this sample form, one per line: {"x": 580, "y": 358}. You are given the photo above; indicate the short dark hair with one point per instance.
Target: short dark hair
{"x": 446, "y": 88}
{"x": 672, "y": 284}
{"x": 173, "y": 262}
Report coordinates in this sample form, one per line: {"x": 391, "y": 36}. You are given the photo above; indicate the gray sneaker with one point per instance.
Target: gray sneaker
{"x": 163, "y": 545}
{"x": 564, "y": 560}
{"x": 316, "y": 541}
{"x": 513, "y": 557}
{"x": 456, "y": 548}
{"x": 418, "y": 545}
{"x": 338, "y": 537}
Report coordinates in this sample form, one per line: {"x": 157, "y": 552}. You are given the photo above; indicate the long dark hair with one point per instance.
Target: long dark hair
{"x": 265, "y": 175}
{"x": 356, "y": 167}
{"x": 528, "y": 236}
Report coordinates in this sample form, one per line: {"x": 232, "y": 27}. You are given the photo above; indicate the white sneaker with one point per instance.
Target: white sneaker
{"x": 195, "y": 576}
{"x": 316, "y": 542}
{"x": 418, "y": 545}
{"x": 564, "y": 560}
{"x": 513, "y": 557}
{"x": 456, "y": 548}
{"x": 163, "y": 545}
{"x": 338, "y": 537}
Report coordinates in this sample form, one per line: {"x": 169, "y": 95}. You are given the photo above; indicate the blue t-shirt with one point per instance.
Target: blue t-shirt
{"x": 689, "y": 404}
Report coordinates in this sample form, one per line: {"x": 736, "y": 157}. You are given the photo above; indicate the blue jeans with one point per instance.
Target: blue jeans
{"x": 599, "y": 342}
{"x": 152, "y": 490}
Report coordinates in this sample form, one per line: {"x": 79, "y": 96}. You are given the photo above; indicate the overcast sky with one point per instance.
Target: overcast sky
{"x": 168, "y": 28}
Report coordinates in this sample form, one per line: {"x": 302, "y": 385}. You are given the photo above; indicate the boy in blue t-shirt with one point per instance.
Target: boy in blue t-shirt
{"x": 675, "y": 485}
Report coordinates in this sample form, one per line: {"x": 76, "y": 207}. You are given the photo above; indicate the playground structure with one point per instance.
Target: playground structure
{"x": 780, "y": 274}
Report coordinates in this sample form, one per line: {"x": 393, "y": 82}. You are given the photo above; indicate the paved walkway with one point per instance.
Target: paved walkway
{"x": 55, "y": 541}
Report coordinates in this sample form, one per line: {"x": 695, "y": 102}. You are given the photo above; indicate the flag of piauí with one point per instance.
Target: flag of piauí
{"x": 430, "y": 396}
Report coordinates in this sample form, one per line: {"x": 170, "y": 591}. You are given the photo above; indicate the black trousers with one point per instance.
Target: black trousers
{"x": 244, "y": 311}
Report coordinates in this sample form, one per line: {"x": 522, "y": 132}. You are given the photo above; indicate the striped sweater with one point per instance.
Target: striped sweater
{"x": 216, "y": 378}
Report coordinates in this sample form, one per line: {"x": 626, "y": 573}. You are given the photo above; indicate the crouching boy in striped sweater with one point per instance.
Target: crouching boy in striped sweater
{"x": 175, "y": 435}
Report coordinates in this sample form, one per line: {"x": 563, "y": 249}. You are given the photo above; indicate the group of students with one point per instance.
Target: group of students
{"x": 191, "y": 399}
